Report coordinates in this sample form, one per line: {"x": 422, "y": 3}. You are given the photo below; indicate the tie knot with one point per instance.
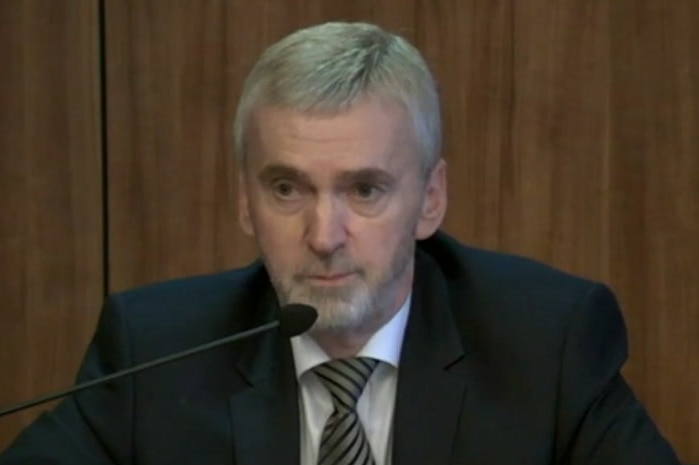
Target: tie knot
{"x": 345, "y": 379}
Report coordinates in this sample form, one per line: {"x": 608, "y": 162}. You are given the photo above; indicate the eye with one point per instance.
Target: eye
{"x": 366, "y": 191}
{"x": 284, "y": 189}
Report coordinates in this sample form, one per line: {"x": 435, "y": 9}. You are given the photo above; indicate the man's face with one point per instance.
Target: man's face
{"x": 335, "y": 205}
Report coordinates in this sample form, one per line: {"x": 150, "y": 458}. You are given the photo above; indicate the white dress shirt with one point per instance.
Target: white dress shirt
{"x": 375, "y": 406}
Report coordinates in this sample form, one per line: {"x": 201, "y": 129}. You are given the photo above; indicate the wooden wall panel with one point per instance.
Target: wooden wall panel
{"x": 50, "y": 196}
{"x": 600, "y": 177}
{"x": 654, "y": 204}
{"x": 469, "y": 48}
{"x": 554, "y": 189}
{"x": 170, "y": 181}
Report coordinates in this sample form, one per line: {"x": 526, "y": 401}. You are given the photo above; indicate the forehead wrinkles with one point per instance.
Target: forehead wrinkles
{"x": 369, "y": 131}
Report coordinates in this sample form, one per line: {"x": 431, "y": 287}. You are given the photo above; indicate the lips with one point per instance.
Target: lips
{"x": 330, "y": 278}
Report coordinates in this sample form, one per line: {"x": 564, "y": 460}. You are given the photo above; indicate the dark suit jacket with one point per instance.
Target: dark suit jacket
{"x": 505, "y": 361}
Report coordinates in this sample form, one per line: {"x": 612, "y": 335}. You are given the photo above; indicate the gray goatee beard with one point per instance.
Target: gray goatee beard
{"x": 349, "y": 308}
{"x": 339, "y": 310}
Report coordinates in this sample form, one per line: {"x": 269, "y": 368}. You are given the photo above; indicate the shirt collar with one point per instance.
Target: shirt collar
{"x": 385, "y": 345}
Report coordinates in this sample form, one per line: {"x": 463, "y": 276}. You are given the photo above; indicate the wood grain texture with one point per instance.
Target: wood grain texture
{"x": 469, "y": 47}
{"x": 553, "y": 194}
{"x": 170, "y": 178}
{"x": 50, "y": 196}
{"x": 654, "y": 204}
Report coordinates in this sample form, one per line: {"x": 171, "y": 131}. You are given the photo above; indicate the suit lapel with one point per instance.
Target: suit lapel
{"x": 429, "y": 398}
{"x": 431, "y": 380}
{"x": 265, "y": 414}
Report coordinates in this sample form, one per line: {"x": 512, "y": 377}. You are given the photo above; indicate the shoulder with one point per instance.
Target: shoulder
{"x": 463, "y": 263}
{"x": 508, "y": 286}
{"x": 171, "y": 315}
{"x": 512, "y": 311}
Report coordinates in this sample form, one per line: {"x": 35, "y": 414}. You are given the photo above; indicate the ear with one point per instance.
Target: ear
{"x": 434, "y": 203}
{"x": 244, "y": 205}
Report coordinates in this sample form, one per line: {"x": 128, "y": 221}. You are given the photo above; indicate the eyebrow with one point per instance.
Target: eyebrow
{"x": 370, "y": 175}
{"x": 280, "y": 170}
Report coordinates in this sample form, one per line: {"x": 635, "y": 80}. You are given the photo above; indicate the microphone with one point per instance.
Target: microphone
{"x": 294, "y": 319}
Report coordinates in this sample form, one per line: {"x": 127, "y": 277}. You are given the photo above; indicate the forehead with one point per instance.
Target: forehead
{"x": 372, "y": 133}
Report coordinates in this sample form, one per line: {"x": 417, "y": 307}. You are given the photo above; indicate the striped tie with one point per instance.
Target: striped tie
{"x": 343, "y": 441}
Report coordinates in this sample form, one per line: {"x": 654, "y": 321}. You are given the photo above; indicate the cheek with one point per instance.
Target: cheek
{"x": 268, "y": 221}
{"x": 377, "y": 243}
{"x": 277, "y": 236}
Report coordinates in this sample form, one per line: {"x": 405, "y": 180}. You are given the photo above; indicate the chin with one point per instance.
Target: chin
{"x": 344, "y": 323}
{"x": 339, "y": 314}
{"x": 341, "y": 309}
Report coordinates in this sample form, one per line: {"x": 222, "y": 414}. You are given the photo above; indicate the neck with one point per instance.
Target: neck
{"x": 338, "y": 345}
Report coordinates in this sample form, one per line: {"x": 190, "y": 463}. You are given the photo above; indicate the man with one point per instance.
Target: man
{"x": 425, "y": 351}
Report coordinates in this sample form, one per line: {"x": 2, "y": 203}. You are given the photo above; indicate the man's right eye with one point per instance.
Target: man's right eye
{"x": 284, "y": 189}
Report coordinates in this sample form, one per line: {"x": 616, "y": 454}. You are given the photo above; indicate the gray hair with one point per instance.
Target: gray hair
{"x": 324, "y": 69}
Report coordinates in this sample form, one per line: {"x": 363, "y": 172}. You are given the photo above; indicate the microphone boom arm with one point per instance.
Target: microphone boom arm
{"x": 141, "y": 367}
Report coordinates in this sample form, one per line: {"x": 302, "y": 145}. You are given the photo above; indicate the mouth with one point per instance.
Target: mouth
{"x": 330, "y": 279}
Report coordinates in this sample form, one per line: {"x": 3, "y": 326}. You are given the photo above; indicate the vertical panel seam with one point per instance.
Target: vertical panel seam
{"x": 104, "y": 146}
{"x": 508, "y": 133}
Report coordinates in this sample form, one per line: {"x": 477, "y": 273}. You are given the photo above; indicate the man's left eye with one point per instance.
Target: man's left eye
{"x": 365, "y": 191}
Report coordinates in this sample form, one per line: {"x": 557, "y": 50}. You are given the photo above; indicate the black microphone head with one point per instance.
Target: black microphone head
{"x": 295, "y": 319}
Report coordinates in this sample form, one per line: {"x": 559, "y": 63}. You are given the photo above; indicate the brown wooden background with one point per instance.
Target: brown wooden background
{"x": 572, "y": 135}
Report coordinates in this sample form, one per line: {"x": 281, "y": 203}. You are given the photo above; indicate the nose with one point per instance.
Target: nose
{"x": 326, "y": 232}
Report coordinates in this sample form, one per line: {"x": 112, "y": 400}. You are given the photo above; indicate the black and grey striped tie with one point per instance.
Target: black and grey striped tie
{"x": 343, "y": 441}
